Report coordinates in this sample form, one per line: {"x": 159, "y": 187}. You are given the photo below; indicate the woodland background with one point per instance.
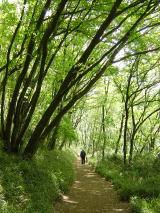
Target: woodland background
{"x": 83, "y": 74}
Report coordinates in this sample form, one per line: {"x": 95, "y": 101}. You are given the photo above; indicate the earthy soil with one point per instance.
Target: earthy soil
{"x": 91, "y": 194}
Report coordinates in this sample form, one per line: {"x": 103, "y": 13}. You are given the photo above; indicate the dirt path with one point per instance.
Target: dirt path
{"x": 91, "y": 194}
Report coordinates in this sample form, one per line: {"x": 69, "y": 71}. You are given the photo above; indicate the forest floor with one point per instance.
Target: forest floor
{"x": 91, "y": 193}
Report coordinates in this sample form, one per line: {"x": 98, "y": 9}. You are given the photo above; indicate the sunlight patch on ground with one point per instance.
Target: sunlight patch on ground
{"x": 65, "y": 197}
{"x": 108, "y": 188}
{"x": 67, "y": 200}
{"x": 79, "y": 188}
{"x": 118, "y": 210}
{"x": 90, "y": 175}
{"x": 77, "y": 181}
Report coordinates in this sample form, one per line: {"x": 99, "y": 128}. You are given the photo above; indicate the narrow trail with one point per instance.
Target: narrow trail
{"x": 91, "y": 194}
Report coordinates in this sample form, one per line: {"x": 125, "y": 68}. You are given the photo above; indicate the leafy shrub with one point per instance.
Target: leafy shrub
{"x": 138, "y": 182}
{"x": 33, "y": 186}
{"x": 139, "y": 205}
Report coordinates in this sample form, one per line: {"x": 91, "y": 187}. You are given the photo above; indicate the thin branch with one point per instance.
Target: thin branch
{"x": 137, "y": 53}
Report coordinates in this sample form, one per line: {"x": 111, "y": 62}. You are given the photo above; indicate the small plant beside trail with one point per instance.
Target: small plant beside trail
{"x": 139, "y": 182}
{"x": 34, "y": 185}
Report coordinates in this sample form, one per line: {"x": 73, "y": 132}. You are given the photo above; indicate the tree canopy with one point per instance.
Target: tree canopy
{"x": 63, "y": 61}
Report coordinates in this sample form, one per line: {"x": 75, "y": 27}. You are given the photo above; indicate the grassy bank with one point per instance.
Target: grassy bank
{"x": 138, "y": 183}
{"x": 33, "y": 186}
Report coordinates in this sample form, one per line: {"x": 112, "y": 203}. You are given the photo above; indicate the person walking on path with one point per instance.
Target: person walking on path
{"x": 83, "y": 156}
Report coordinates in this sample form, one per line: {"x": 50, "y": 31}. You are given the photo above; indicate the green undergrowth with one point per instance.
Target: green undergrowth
{"x": 32, "y": 186}
{"x": 138, "y": 183}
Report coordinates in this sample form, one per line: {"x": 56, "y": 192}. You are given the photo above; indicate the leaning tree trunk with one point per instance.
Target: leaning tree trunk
{"x": 52, "y": 141}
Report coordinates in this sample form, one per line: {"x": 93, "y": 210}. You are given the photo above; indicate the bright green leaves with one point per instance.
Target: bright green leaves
{"x": 66, "y": 131}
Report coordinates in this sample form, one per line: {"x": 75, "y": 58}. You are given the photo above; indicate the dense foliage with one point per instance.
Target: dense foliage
{"x": 139, "y": 182}
{"x": 34, "y": 186}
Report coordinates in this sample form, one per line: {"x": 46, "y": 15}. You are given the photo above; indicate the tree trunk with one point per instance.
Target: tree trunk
{"x": 52, "y": 142}
{"x": 62, "y": 144}
{"x": 104, "y": 132}
{"x": 93, "y": 147}
{"x": 120, "y": 134}
{"x": 152, "y": 143}
{"x": 131, "y": 147}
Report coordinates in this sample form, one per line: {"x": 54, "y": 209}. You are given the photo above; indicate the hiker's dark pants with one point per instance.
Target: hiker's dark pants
{"x": 82, "y": 160}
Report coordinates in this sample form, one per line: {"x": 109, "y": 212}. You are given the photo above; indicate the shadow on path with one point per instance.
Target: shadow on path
{"x": 91, "y": 194}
